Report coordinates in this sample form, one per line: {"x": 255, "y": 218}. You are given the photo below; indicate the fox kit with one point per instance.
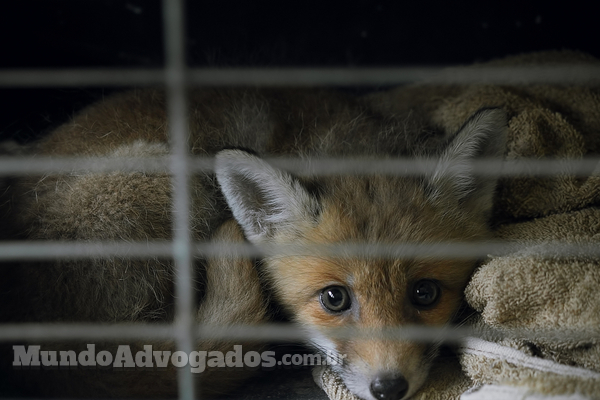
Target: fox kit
{"x": 270, "y": 206}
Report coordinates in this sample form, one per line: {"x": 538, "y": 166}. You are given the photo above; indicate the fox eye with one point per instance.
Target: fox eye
{"x": 335, "y": 299}
{"x": 425, "y": 293}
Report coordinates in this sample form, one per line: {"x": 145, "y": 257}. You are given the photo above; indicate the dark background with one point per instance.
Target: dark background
{"x": 128, "y": 33}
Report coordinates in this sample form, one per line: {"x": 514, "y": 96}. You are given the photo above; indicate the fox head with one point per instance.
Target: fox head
{"x": 452, "y": 203}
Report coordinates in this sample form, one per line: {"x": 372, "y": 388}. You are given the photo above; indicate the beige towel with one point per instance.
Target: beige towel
{"x": 532, "y": 290}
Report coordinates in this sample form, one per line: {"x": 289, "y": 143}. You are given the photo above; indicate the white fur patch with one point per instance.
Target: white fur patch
{"x": 263, "y": 199}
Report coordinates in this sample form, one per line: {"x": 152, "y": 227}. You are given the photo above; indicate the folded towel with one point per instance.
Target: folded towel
{"x": 536, "y": 289}
{"x": 487, "y": 362}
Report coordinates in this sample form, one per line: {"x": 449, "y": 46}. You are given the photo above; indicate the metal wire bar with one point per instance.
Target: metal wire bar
{"x": 175, "y": 76}
{"x": 410, "y": 166}
{"x": 48, "y": 250}
{"x": 280, "y": 332}
{"x": 566, "y": 74}
{"x": 575, "y": 74}
{"x": 23, "y": 166}
{"x": 52, "y": 250}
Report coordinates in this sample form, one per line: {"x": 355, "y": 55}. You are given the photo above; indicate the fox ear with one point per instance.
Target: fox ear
{"x": 264, "y": 200}
{"x": 454, "y": 179}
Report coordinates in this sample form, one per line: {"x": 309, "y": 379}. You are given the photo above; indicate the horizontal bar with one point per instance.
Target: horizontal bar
{"x": 275, "y": 332}
{"x": 422, "y": 165}
{"x": 562, "y": 74}
{"x": 28, "y": 78}
{"x": 20, "y": 166}
{"x": 90, "y": 331}
{"x": 566, "y": 74}
{"x": 23, "y": 166}
{"x": 46, "y": 250}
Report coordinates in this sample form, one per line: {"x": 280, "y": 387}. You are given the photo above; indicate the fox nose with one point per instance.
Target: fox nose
{"x": 389, "y": 387}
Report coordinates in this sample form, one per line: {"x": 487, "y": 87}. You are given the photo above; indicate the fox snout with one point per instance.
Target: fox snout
{"x": 384, "y": 369}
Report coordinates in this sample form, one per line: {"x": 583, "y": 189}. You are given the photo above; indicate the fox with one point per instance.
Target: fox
{"x": 247, "y": 199}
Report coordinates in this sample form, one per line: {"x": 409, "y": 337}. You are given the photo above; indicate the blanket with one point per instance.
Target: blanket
{"x": 534, "y": 290}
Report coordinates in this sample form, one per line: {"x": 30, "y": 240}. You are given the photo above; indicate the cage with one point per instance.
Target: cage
{"x": 63, "y": 55}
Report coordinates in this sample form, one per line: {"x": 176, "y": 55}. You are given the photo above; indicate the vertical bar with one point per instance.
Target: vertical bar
{"x": 175, "y": 70}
